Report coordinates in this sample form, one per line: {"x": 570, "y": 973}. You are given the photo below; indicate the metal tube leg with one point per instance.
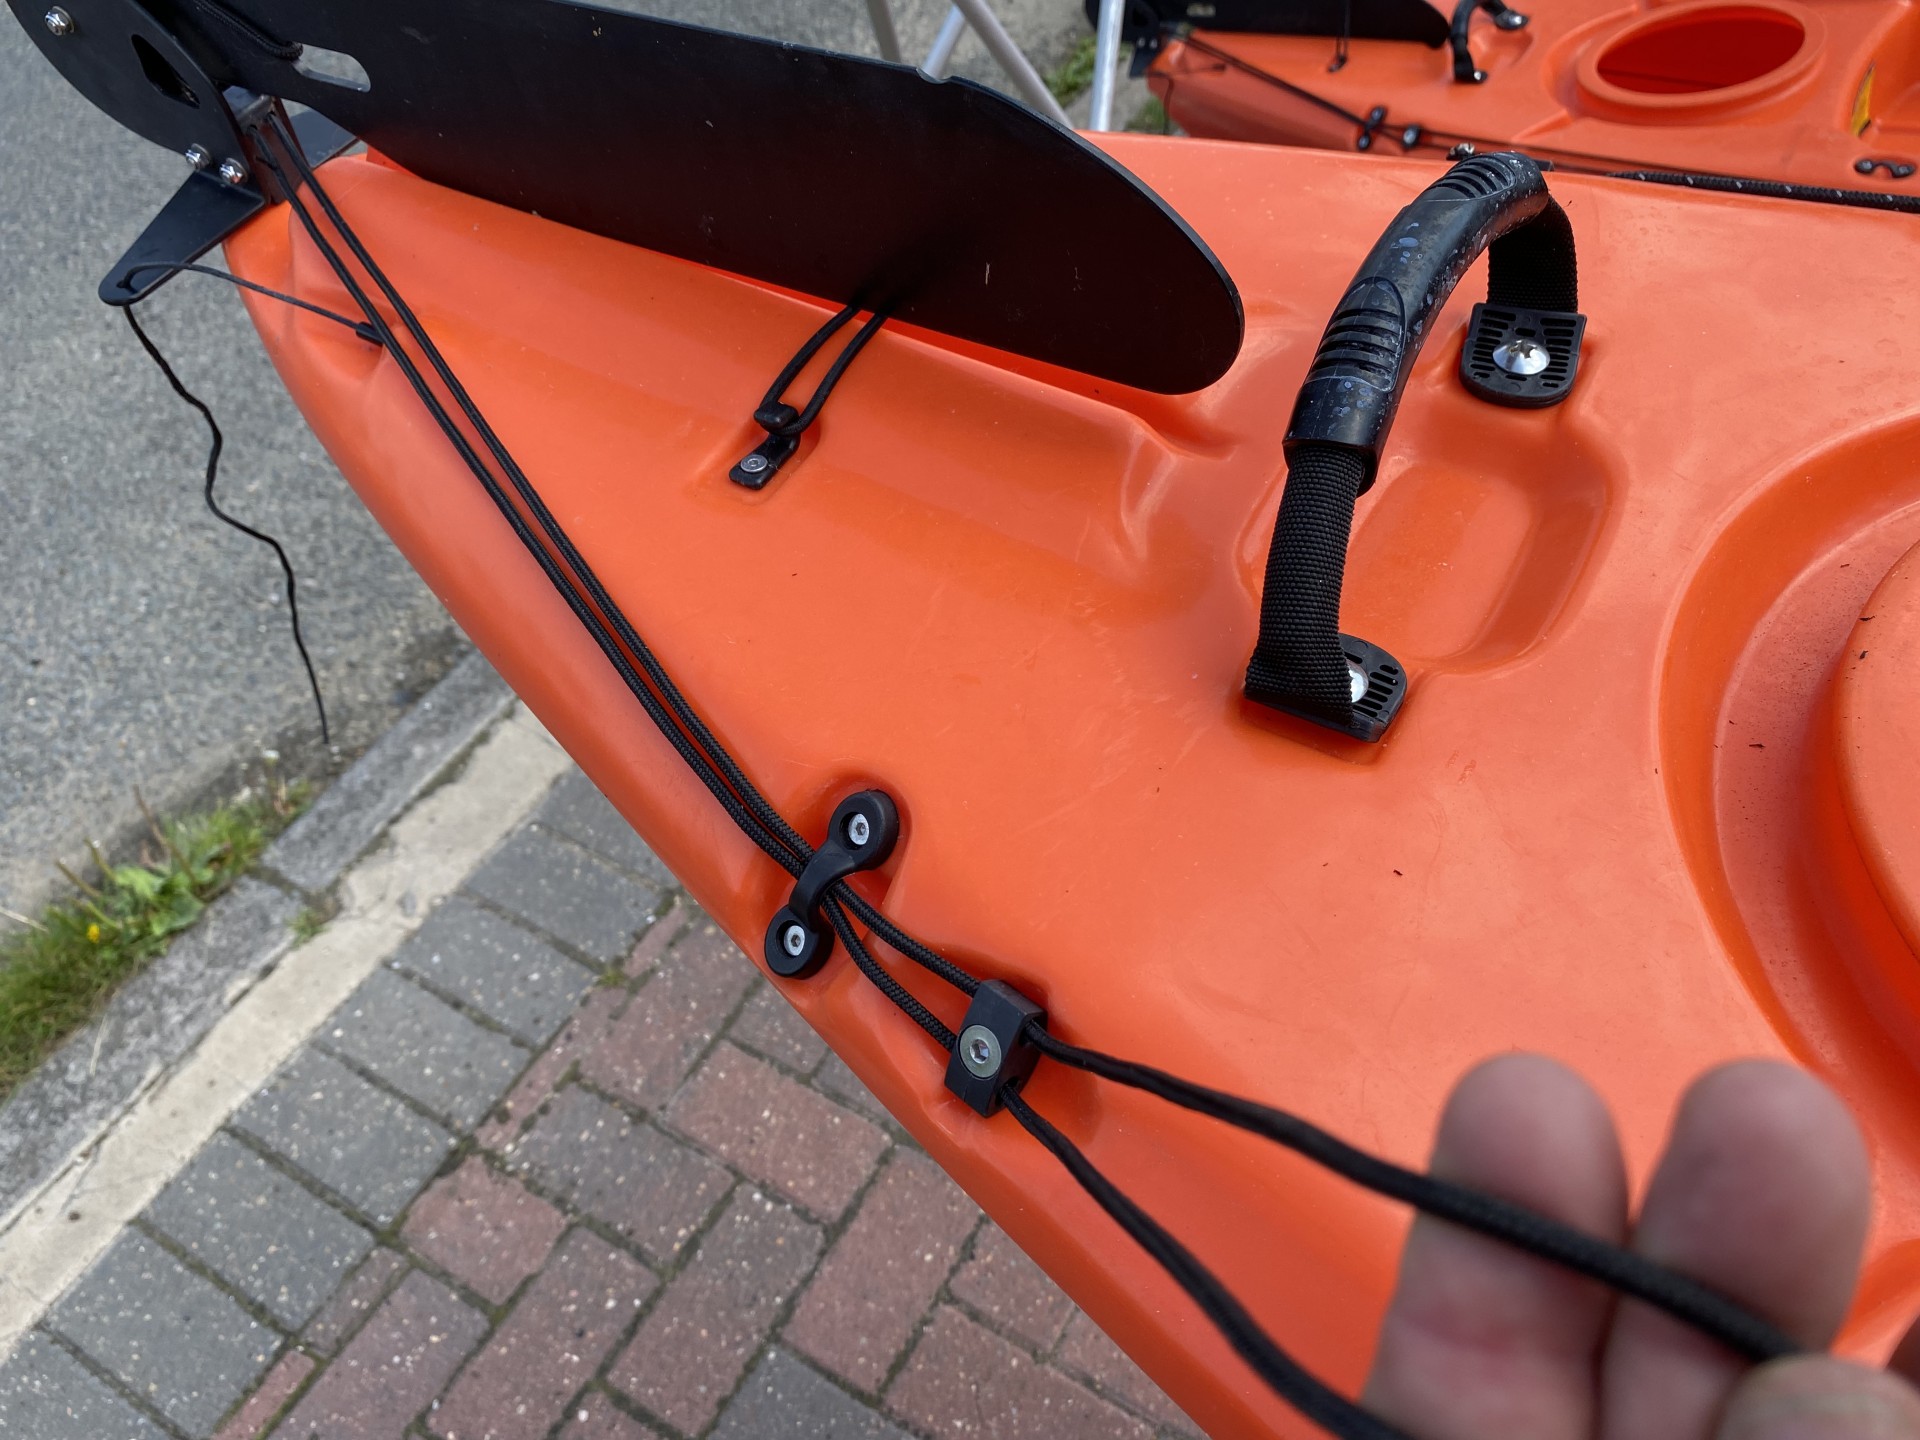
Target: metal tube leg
{"x": 1000, "y": 45}
{"x": 941, "y": 54}
{"x": 884, "y": 35}
{"x": 1106, "y": 63}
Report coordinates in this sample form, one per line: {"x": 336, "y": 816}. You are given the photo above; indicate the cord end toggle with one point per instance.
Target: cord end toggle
{"x": 993, "y": 1056}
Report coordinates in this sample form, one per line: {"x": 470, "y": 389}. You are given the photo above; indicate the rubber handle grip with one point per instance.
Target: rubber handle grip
{"x": 1353, "y": 388}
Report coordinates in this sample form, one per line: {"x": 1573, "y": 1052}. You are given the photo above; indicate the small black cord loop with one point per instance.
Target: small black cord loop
{"x": 359, "y": 327}
{"x": 784, "y": 423}
{"x": 213, "y": 475}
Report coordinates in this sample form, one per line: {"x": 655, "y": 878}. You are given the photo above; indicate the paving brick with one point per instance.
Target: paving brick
{"x": 1086, "y": 1351}
{"x": 46, "y": 1394}
{"x": 597, "y": 1418}
{"x": 553, "y": 1342}
{"x": 774, "y": 1028}
{"x": 648, "y": 1187}
{"x": 506, "y": 973}
{"x": 836, "y": 1078}
{"x": 251, "y": 1420}
{"x": 568, "y": 893}
{"x": 391, "y": 1370}
{"x": 536, "y": 1085}
{"x": 186, "y": 1349}
{"x": 486, "y": 1230}
{"x": 783, "y": 1400}
{"x": 579, "y": 811}
{"x": 963, "y": 1382}
{"x": 662, "y": 933}
{"x": 690, "y": 1351}
{"x": 358, "y": 1141}
{"x": 263, "y": 1234}
{"x": 353, "y": 1301}
{"x": 424, "y": 1048}
{"x": 779, "y": 1132}
{"x": 671, "y": 1022}
{"x": 883, "y": 1272}
{"x": 1012, "y": 1292}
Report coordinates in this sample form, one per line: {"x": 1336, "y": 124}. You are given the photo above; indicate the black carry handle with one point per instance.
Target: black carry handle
{"x": 1302, "y": 663}
{"x": 1505, "y": 17}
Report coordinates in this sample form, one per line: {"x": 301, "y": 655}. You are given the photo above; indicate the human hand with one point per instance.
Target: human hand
{"x": 1762, "y": 1193}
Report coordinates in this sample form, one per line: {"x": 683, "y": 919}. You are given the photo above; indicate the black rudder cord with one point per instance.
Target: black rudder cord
{"x": 213, "y": 504}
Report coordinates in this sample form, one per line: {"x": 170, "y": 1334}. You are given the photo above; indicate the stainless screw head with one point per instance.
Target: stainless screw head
{"x": 1521, "y": 356}
{"x": 754, "y": 464}
{"x": 793, "y": 940}
{"x": 859, "y": 830}
{"x": 1463, "y": 151}
{"x": 1356, "y": 682}
{"x": 233, "y": 172}
{"x": 59, "y": 22}
{"x": 199, "y": 157}
{"x": 980, "y": 1051}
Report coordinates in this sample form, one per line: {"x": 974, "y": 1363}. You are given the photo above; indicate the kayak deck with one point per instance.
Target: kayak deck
{"x": 1020, "y": 600}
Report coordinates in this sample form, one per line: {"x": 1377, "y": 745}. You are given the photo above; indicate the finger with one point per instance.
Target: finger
{"x": 1481, "y": 1339}
{"x": 1906, "y": 1355}
{"x": 1762, "y": 1194}
{"x": 1818, "y": 1398}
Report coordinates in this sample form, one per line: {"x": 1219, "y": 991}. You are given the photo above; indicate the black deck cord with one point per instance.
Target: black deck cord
{"x": 1488, "y": 1215}
{"x": 1773, "y": 189}
{"x": 1285, "y": 1376}
{"x": 775, "y": 415}
{"x": 717, "y": 769}
{"x": 1340, "y": 1415}
{"x": 213, "y": 504}
{"x": 176, "y": 267}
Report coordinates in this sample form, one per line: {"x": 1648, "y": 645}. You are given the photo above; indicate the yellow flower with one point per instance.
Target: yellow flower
{"x": 93, "y": 933}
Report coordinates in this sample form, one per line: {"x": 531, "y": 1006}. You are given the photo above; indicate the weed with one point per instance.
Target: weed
{"x": 66, "y": 963}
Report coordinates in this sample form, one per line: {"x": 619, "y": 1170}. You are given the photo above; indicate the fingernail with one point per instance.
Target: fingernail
{"x": 1816, "y": 1397}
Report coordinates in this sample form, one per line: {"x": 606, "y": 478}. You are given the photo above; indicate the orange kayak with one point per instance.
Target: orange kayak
{"x": 1817, "y": 95}
{"x": 1548, "y": 681}
{"x": 1650, "y": 803}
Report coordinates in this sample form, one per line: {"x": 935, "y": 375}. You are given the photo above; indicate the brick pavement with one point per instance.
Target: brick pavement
{"x": 567, "y": 1167}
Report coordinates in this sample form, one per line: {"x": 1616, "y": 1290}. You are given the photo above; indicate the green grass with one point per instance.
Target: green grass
{"x": 59, "y": 968}
{"x": 1073, "y": 76}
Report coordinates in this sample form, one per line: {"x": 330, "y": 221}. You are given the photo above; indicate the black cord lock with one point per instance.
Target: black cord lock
{"x": 993, "y": 1056}
{"x": 860, "y": 836}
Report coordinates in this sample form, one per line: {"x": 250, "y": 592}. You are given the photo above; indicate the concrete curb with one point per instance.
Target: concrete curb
{"x": 164, "y": 1012}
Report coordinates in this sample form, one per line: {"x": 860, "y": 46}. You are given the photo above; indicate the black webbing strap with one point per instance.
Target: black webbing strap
{"x": 1297, "y": 661}
{"x": 1352, "y": 390}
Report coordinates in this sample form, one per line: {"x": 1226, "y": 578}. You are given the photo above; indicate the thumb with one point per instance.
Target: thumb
{"x": 1815, "y": 1397}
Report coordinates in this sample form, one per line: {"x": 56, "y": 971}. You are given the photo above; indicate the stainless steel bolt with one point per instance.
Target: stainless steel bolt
{"x": 59, "y": 22}
{"x": 233, "y": 172}
{"x": 980, "y": 1051}
{"x": 1465, "y": 150}
{"x": 754, "y": 464}
{"x": 199, "y": 157}
{"x": 1521, "y": 356}
{"x": 1356, "y": 682}
{"x": 859, "y": 830}
{"x": 793, "y": 940}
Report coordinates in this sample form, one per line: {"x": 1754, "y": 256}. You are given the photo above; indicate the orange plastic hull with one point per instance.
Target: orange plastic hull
{"x": 1021, "y": 601}
{"x": 1795, "y": 90}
